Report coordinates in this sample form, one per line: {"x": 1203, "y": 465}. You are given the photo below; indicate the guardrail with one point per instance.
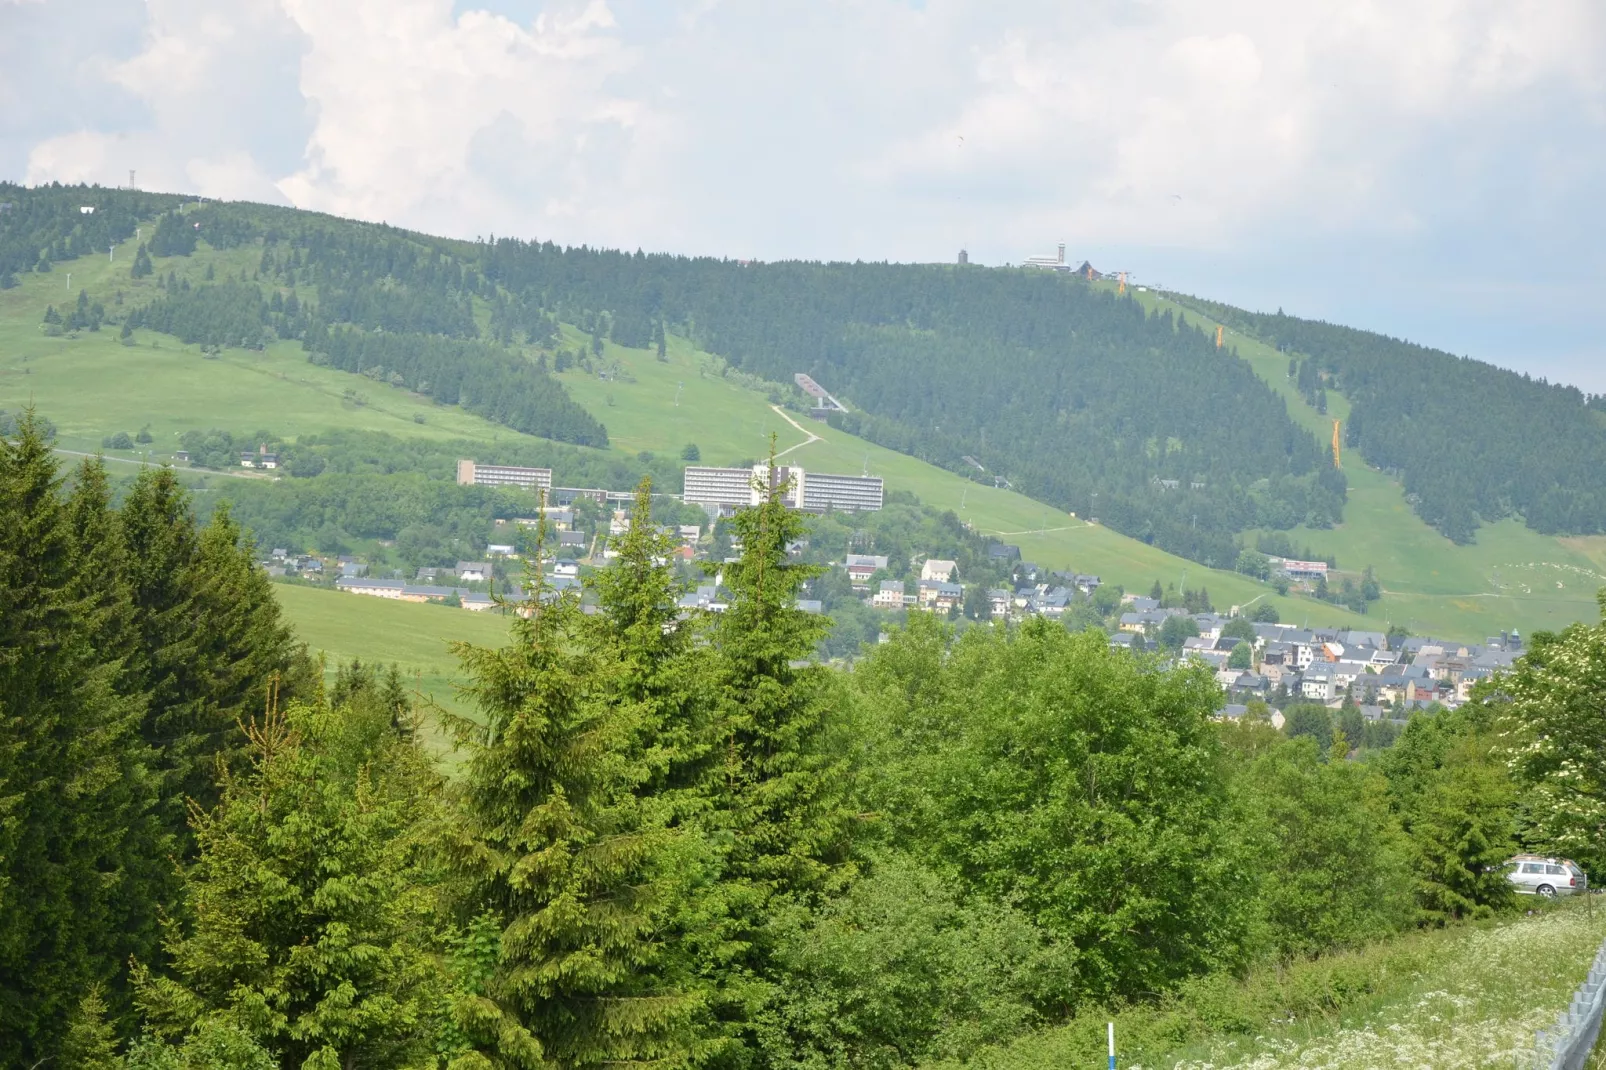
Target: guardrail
{"x": 1567, "y": 1045}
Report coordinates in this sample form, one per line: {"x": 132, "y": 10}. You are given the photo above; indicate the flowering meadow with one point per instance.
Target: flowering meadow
{"x": 1478, "y": 1003}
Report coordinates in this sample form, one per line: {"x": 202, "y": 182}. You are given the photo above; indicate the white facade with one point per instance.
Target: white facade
{"x": 846, "y": 494}
{"x": 470, "y": 474}
{"x": 717, "y": 486}
{"x": 737, "y": 488}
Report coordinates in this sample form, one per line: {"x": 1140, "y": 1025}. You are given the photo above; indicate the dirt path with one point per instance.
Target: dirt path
{"x": 812, "y": 437}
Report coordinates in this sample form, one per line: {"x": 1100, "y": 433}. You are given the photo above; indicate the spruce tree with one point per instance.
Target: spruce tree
{"x": 159, "y": 535}
{"x": 209, "y": 637}
{"x": 659, "y": 670}
{"x": 310, "y": 900}
{"x": 775, "y": 789}
{"x": 90, "y": 1043}
{"x": 774, "y": 782}
{"x": 128, "y": 817}
{"x": 586, "y": 879}
{"x": 63, "y": 801}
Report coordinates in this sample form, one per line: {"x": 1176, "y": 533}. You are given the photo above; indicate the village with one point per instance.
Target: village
{"x": 1256, "y": 659}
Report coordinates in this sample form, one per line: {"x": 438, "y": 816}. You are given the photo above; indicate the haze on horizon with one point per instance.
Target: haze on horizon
{"x": 1432, "y": 169}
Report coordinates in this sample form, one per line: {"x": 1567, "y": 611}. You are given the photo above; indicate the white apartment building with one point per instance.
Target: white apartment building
{"x": 470, "y": 474}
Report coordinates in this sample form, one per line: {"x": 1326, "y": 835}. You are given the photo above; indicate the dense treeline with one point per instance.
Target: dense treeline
{"x": 483, "y": 379}
{"x": 131, "y": 643}
{"x": 672, "y": 839}
{"x": 227, "y": 313}
{"x": 1535, "y": 450}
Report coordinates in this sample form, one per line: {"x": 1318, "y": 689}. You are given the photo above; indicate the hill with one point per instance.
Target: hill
{"x": 349, "y": 327}
{"x": 1507, "y": 575}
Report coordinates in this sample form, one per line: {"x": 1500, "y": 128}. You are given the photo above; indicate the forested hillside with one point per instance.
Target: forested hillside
{"x": 1073, "y": 395}
{"x": 1471, "y": 442}
{"x": 1076, "y": 397}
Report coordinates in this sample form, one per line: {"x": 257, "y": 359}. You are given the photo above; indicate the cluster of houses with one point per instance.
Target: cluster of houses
{"x": 1328, "y": 665}
{"x": 1041, "y": 593}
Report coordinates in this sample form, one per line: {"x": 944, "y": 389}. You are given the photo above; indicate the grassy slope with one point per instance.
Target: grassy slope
{"x": 92, "y": 385}
{"x": 1511, "y": 577}
{"x": 1470, "y": 995}
{"x": 730, "y": 423}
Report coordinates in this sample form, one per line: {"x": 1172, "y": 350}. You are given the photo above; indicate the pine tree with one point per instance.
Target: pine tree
{"x": 774, "y": 788}
{"x": 773, "y": 780}
{"x": 90, "y": 1043}
{"x": 582, "y": 872}
{"x": 128, "y": 815}
{"x": 159, "y": 534}
{"x": 310, "y": 901}
{"x": 659, "y": 670}
{"x": 63, "y": 803}
{"x": 210, "y": 637}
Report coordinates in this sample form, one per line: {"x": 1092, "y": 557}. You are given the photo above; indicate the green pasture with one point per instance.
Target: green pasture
{"x": 415, "y": 637}
{"x": 1510, "y": 577}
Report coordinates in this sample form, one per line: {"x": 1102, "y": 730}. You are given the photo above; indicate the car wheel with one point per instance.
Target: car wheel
{"x": 1545, "y": 890}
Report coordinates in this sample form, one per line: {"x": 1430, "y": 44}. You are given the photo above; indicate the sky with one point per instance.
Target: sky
{"x": 1433, "y": 169}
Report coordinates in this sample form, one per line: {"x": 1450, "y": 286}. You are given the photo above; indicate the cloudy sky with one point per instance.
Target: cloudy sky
{"x": 1431, "y": 168}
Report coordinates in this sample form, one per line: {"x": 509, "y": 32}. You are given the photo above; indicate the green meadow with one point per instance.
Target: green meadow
{"x": 415, "y": 637}
{"x": 1509, "y": 578}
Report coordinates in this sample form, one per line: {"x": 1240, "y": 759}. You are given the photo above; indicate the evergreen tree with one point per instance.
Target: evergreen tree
{"x": 658, "y": 670}
{"x": 128, "y": 814}
{"x": 90, "y": 1043}
{"x": 773, "y": 780}
{"x": 774, "y": 786}
{"x": 1463, "y": 828}
{"x": 210, "y": 638}
{"x": 554, "y": 841}
{"x": 63, "y": 803}
{"x": 311, "y": 905}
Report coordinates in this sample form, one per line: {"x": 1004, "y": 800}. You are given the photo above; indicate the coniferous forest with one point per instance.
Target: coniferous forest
{"x": 668, "y": 839}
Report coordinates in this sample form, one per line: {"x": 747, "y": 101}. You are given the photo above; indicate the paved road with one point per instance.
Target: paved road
{"x": 130, "y": 460}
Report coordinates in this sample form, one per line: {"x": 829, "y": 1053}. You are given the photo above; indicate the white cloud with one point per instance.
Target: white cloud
{"x": 409, "y": 99}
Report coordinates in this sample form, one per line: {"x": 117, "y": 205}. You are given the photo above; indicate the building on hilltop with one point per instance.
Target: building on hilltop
{"x": 470, "y": 474}
{"x": 1048, "y": 263}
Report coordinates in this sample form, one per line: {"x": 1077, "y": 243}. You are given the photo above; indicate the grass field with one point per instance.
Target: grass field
{"x": 1510, "y": 577}
{"x": 415, "y": 637}
{"x": 92, "y": 385}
